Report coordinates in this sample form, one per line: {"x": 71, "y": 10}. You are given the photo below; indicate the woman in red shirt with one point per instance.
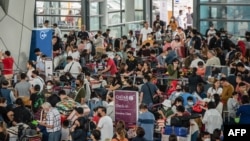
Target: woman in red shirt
{"x": 8, "y": 62}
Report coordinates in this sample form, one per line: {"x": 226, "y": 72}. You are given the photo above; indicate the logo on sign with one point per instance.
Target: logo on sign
{"x": 43, "y": 35}
{"x": 125, "y": 98}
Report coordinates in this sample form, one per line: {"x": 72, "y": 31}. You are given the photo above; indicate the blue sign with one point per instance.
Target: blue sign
{"x": 42, "y": 39}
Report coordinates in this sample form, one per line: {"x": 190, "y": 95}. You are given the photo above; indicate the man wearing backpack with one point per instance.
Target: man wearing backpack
{"x": 79, "y": 128}
{"x": 7, "y": 93}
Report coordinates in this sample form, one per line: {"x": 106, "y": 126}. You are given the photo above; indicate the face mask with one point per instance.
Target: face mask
{"x": 178, "y": 90}
{"x": 140, "y": 112}
{"x": 165, "y": 108}
{"x": 169, "y": 28}
{"x": 190, "y": 103}
{"x": 164, "y": 57}
{"x": 32, "y": 76}
{"x": 5, "y": 105}
{"x": 49, "y": 87}
{"x": 144, "y": 80}
{"x": 172, "y": 20}
{"x": 207, "y": 139}
{"x": 99, "y": 115}
{"x": 43, "y": 61}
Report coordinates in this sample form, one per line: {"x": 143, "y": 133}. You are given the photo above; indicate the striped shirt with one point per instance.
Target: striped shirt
{"x": 53, "y": 118}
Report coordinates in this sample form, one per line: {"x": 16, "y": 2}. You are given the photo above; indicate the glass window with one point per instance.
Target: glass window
{"x": 225, "y": 12}
{"x": 94, "y": 8}
{"x": 114, "y": 5}
{"x": 138, "y": 15}
{"x": 114, "y": 18}
{"x": 138, "y": 4}
{"x": 94, "y": 23}
{"x": 235, "y": 28}
{"x": 115, "y": 32}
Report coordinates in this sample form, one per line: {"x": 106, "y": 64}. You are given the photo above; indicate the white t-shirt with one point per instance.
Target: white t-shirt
{"x": 38, "y": 81}
{"x": 181, "y": 21}
{"x": 76, "y": 55}
{"x": 145, "y": 32}
{"x": 194, "y": 63}
{"x": 212, "y": 91}
{"x": 106, "y": 127}
{"x": 75, "y": 69}
{"x": 58, "y": 32}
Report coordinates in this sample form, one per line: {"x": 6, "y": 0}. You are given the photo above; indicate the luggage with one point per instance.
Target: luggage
{"x": 178, "y": 131}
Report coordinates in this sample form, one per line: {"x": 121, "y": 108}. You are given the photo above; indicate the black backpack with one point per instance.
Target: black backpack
{"x": 86, "y": 124}
{"x": 180, "y": 121}
{"x": 93, "y": 49}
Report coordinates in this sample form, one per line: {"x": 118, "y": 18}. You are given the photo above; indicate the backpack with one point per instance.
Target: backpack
{"x": 87, "y": 125}
{"x": 92, "y": 104}
{"x": 93, "y": 49}
{"x": 180, "y": 121}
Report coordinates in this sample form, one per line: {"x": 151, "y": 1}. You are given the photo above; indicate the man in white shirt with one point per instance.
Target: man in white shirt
{"x": 212, "y": 59}
{"x": 181, "y": 19}
{"x": 105, "y": 124}
{"x": 57, "y": 32}
{"x": 144, "y": 32}
{"x": 72, "y": 67}
{"x": 37, "y": 80}
{"x": 75, "y": 54}
{"x": 46, "y": 24}
{"x": 194, "y": 63}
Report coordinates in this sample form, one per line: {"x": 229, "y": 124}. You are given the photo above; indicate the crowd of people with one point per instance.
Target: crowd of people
{"x": 190, "y": 72}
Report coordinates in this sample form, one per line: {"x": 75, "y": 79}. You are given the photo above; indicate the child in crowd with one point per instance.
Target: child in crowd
{"x": 65, "y": 136}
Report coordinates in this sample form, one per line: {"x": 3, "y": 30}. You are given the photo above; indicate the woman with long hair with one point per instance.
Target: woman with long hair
{"x": 4, "y": 135}
{"x": 215, "y": 89}
{"x": 120, "y": 135}
{"x": 218, "y": 103}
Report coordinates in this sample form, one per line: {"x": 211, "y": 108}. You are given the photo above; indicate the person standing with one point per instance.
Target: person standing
{"x": 146, "y": 120}
{"x": 111, "y": 67}
{"x": 52, "y": 122}
{"x": 105, "y": 124}
{"x": 144, "y": 32}
{"x": 8, "y": 63}
{"x": 181, "y": 19}
{"x": 57, "y": 31}
{"x": 189, "y": 17}
{"x": 22, "y": 88}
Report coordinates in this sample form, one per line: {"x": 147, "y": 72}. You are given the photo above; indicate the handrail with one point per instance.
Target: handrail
{"x": 123, "y": 24}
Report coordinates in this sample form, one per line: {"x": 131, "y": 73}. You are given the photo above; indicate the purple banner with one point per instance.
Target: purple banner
{"x": 126, "y": 106}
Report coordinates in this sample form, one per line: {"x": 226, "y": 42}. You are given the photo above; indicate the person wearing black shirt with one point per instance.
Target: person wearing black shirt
{"x": 131, "y": 62}
{"x": 83, "y": 33}
{"x": 159, "y": 22}
{"x": 130, "y": 86}
{"x": 195, "y": 40}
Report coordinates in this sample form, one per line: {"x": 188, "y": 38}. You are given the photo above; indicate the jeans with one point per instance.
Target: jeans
{"x": 55, "y": 136}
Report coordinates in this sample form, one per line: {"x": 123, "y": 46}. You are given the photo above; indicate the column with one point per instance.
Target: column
{"x": 85, "y": 13}
{"x": 147, "y": 11}
{"x": 104, "y": 13}
{"x": 129, "y": 13}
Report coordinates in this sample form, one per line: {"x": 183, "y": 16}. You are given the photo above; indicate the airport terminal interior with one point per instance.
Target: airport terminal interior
{"x": 124, "y": 70}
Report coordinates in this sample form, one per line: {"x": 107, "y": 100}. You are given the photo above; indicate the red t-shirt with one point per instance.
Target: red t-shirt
{"x": 113, "y": 69}
{"x": 8, "y": 65}
{"x": 96, "y": 119}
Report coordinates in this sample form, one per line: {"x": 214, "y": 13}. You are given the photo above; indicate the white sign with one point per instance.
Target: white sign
{"x": 48, "y": 69}
{"x": 164, "y": 11}
{"x": 43, "y": 35}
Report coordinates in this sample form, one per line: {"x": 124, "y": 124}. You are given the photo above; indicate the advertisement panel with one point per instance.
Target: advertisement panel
{"x": 42, "y": 39}
{"x": 126, "y": 106}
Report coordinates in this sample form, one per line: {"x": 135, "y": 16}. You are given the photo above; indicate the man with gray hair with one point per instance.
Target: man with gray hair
{"x": 212, "y": 60}
{"x": 52, "y": 122}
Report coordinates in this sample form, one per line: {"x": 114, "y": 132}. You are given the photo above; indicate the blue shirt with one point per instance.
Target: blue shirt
{"x": 148, "y": 90}
{"x": 185, "y": 96}
{"x": 244, "y": 113}
{"x": 146, "y": 121}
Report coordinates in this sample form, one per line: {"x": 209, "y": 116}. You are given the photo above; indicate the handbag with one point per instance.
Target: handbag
{"x": 155, "y": 99}
{"x": 237, "y": 119}
{"x": 197, "y": 108}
